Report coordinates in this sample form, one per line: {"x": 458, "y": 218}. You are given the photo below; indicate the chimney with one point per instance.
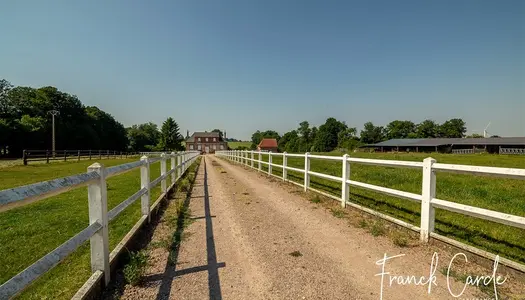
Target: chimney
{"x": 224, "y": 134}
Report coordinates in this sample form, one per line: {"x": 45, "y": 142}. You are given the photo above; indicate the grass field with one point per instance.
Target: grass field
{"x": 29, "y": 232}
{"x": 235, "y": 145}
{"x": 503, "y": 195}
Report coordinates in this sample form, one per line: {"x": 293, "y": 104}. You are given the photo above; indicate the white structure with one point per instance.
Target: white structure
{"x": 427, "y": 198}
{"x": 99, "y": 216}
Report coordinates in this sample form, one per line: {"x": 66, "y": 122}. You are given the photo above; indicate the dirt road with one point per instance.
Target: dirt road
{"x": 252, "y": 239}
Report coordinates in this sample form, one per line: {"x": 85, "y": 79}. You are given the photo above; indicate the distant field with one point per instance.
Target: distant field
{"x": 27, "y": 233}
{"x": 503, "y": 195}
{"x": 235, "y": 145}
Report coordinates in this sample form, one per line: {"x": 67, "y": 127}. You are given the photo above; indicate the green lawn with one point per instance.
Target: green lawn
{"x": 235, "y": 145}
{"x": 27, "y": 233}
{"x": 503, "y": 195}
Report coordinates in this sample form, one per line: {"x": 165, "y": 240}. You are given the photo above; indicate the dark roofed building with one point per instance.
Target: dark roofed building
{"x": 447, "y": 145}
{"x": 267, "y": 145}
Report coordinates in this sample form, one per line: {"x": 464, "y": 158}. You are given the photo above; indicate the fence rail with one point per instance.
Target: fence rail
{"x": 427, "y": 198}
{"x": 65, "y": 155}
{"x": 512, "y": 151}
{"x": 97, "y": 230}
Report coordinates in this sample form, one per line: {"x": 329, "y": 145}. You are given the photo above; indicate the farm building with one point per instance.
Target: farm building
{"x": 205, "y": 142}
{"x": 504, "y": 145}
{"x": 267, "y": 145}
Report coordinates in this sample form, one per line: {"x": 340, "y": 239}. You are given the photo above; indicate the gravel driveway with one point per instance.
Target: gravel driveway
{"x": 253, "y": 239}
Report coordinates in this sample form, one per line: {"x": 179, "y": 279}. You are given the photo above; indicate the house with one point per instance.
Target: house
{"x": 268, "y": 145}
{"x": 205, "y": 142}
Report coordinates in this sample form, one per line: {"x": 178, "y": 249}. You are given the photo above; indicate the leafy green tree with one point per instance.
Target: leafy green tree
{"x": 427, "y": 129}
{"x": 286, "y": 139}
{"x": 400, "y": 129}
{"x": 143, "y": 137}
{"x": 268, "y": 134}
{"x": 372, "y": 134}
{"x": 327, "y": 137}
{"x": 170, "y": 137}
{"x": 221, "y": 136}
{"x": 453, "y": 128}
{"x": 475, "y": 136}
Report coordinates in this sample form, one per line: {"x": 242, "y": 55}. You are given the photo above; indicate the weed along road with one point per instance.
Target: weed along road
{"x": 251, "y": 237}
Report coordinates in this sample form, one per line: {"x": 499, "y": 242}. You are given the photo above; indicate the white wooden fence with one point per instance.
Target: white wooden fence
{"x": 99, "y": 216}
{"x": 512, "y": 151}
{"x": 427, "y": 198}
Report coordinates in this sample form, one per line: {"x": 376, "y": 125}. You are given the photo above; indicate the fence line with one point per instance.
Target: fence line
{"x": 512, "y": 151}
{"x": 65, "y": 155}
{"x": 427, "y": 198}
{"x": 99, "y": 217}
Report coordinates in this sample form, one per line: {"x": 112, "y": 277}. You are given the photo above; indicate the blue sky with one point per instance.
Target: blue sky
{"x": 246, "y": 65}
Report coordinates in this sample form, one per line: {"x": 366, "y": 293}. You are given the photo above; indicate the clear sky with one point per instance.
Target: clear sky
{"x": 246, "y": 65}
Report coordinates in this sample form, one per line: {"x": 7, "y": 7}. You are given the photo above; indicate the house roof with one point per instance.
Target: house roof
{"x": 191, "y": 139}
{"x": 268, "y": 143}
{"x": 432, "y": 142}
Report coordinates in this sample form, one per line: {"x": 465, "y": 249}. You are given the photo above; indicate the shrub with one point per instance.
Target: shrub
{"x": 135, "y": 269}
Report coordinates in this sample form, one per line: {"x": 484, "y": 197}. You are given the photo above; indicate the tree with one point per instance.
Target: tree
{"x": 220, "y": 133}
{"x": 453, "y": 128}
{"x": 268, "y": 134}
{"x": 143, "y": 137}
{"x": 170, "y": 137}
{"x": 347, "y": 138}
{"x": 327, "y": 136}
{"x": 372, "y": 134}
{"x": 475, "y": 136}
{"x": 400, "y": 129}
{"x": 427, "y": 129}
{"x": 286, "y": 139}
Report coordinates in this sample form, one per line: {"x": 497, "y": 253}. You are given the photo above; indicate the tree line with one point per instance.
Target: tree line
{"x": 25, "y": 123}
{"x": 334, "y": 134}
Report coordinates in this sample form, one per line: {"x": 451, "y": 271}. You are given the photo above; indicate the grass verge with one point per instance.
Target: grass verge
{"x": 502, "y": 195}
{"x": 29, "y": 232}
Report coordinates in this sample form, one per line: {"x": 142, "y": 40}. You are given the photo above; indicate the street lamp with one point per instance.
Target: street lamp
{"x": 53, "y": 114}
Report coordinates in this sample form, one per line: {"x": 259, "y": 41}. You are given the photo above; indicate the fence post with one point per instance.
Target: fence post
{"x": 145, "y": 183}
{"x": 98, "y": 212}
{"x": 183, "y": 162}
{"x": 179, "y": 165}
{"x": 65, "y": 155}
{"x": 108, "y": 153}
{"x": 173, "y": 178}
{"x": 285, "y": 163}
{"x": 306, "y": 170}
{"x": 163, "y": 186}
{"x": 89, "y": 154}
{"x": 251, "y": 161}
{"x": 345, "y": 191}
{"x": 47, "y": 156}
{"x": 428, "y": 193}
{"x": 259, "y": 161}
{"x": 270, "y": 162}
{"x": 78, "y": 155}
{"x": 24, "y": 157}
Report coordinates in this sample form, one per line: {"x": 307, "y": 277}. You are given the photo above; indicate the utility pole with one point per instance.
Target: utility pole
{"x": 53, "y": 114}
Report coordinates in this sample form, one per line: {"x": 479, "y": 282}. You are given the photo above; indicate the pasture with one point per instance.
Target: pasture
{"x": 235, "y": 145}
{"x": 29, "y": 232}
{"x": 503, "y": 195}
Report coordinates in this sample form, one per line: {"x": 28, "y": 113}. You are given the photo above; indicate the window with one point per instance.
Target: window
{"x": 199, "y": 147}
{"x": 191, "y": 146}
{"x": 206, "y": 139}
{"x": 199, "y": 139}
{"x": 222, "y": 147}
{"x": 214, "y": 147}
{"x": 214, "y": 140}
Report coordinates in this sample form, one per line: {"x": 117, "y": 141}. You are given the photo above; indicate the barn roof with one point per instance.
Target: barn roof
{"x": 432, "y": 142}
{"x": 205, "y": 134}
{"x": 268, "y": 143}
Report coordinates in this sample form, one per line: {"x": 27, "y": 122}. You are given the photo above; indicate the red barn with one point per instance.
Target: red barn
{"x": 268, "y": 145}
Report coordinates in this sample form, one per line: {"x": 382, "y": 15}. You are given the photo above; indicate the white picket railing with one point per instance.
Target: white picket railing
{"x": 99, "y": 216}
{"x": 427, "y": 198}
{"x": 512, "y": 151}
